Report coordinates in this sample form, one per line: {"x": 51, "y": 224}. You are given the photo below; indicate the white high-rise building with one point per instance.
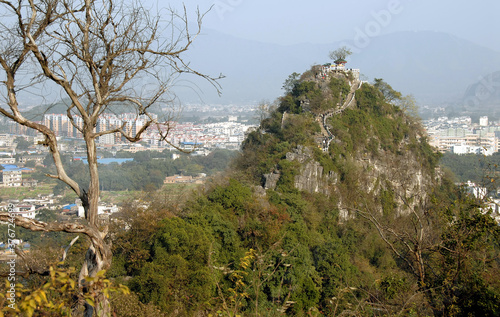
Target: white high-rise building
{"x": 483, "y": 121}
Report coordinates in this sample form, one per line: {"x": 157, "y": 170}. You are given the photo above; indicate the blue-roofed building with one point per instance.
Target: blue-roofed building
{"x": 12, "y": 167}
{"x": 192, "y": 143}
{"x": 12, "y": 175}
{"x": 69, "y": 207}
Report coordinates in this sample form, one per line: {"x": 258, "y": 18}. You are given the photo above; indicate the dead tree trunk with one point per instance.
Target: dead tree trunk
{"x": 97, "y": 54}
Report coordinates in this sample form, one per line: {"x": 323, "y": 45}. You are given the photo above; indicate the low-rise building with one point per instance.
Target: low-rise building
{"x": 476, "y": 190}
{"x": 102, "y": 210}
{"x": 25, "y": 210}
{"x": 179, "y": 179}
{"x": 29, "y": 182}
{"x": 468, "y": 149}
{"x": 176, "y": 179}
{"x": 12, "y": 176}
{"x": 7, "y": 160}
{"x": 6, "y": 139}
{"x": 494, "y": 207}
{"x": 37, "y": 158}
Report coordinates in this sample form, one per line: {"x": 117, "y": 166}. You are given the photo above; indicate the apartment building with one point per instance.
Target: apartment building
{"x": 460, "y": 136}
{"x": 12, "y": 178}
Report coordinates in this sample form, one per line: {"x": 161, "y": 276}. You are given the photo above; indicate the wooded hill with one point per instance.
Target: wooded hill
{"x": 376, "y": 228}
{"x": 366, "y": 226}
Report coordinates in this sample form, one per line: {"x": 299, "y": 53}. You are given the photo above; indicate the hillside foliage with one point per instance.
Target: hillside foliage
{"x": 374, "y": 246}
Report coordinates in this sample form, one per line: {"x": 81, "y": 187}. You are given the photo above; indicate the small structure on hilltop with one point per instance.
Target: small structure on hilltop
{"x": 339, "y": 59}
{"x": 340, "y": 62}
{"x": 328, "y": 68}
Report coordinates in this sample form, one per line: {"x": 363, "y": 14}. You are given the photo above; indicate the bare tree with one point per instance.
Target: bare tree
{"x": 339, "y": 55}
{"x": 408, "y": 240}
{"x": 264, "y": 109}
{"x": 98, "y": 54}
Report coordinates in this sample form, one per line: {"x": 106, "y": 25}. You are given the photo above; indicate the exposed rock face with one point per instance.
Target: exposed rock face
{"x": 310, "y": 177}
{"x": 301, "y": 154}
{"x": 271, "y": 179}
{"x": 399, "y": 173}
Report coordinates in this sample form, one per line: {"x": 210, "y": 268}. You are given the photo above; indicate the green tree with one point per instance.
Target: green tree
{"x": 409, "y": 105}
{"x": 46, "y": 215}
{"x": 466, "y": 265}
{"x": 22, "y": 144}
{"x": 339, "y": 55}
{"x": 451, "y": 249}
{"x": 30, "y": 164}
{"x": 389, "y": 93}
{"x": 291, "y": 82}
{"x": 234, "y": 196}
{"x": 176, "y": 277}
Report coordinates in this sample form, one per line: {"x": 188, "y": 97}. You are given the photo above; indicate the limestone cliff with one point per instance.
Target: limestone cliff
{"x": 310, "y": 177}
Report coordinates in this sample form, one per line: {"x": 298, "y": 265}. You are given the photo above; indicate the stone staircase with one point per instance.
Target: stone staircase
{"x": 327, "y": 136}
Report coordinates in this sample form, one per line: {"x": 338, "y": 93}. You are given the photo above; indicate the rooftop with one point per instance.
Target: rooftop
{"x": 14, "y": 168}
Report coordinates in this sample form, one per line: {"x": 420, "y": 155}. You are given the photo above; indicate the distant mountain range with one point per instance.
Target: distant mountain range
{"x": 483, "y": 97}
{"x": 437, "y": 68}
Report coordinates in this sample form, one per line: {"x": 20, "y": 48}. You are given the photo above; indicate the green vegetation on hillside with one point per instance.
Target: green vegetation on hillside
{"x": 388, "y": 235}
{"x": 285, "y": 251}
{"x": 471, "y": 167}
{"x": 303, "y": 260}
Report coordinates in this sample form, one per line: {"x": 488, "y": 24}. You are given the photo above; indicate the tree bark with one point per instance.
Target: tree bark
{"x": 97, "y": 258}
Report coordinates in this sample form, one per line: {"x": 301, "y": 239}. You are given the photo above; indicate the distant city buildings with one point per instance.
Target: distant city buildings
{"x": 457, "y": 135}
{"x": 483, "y": 121}
{"x": 65, "y": 126}
{"x": 460, "y": 136}
{"x": 228, "y": 134}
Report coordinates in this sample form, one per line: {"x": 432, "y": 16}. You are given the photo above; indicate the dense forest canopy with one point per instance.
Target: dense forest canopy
{"x": 471, "y": 167}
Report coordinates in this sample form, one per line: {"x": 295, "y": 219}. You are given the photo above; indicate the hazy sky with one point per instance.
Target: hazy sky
{"x": 326, "y": 21}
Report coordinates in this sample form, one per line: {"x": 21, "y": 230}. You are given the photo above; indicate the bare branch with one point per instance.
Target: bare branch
{"x": 28, "y": 269}
{"x": 381, "y": 230}
{"x": 65, "y": 253}
{"x": 40, "y": 226}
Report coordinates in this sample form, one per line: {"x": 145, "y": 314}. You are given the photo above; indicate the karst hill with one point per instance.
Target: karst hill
{"x": 352, "y": 140}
